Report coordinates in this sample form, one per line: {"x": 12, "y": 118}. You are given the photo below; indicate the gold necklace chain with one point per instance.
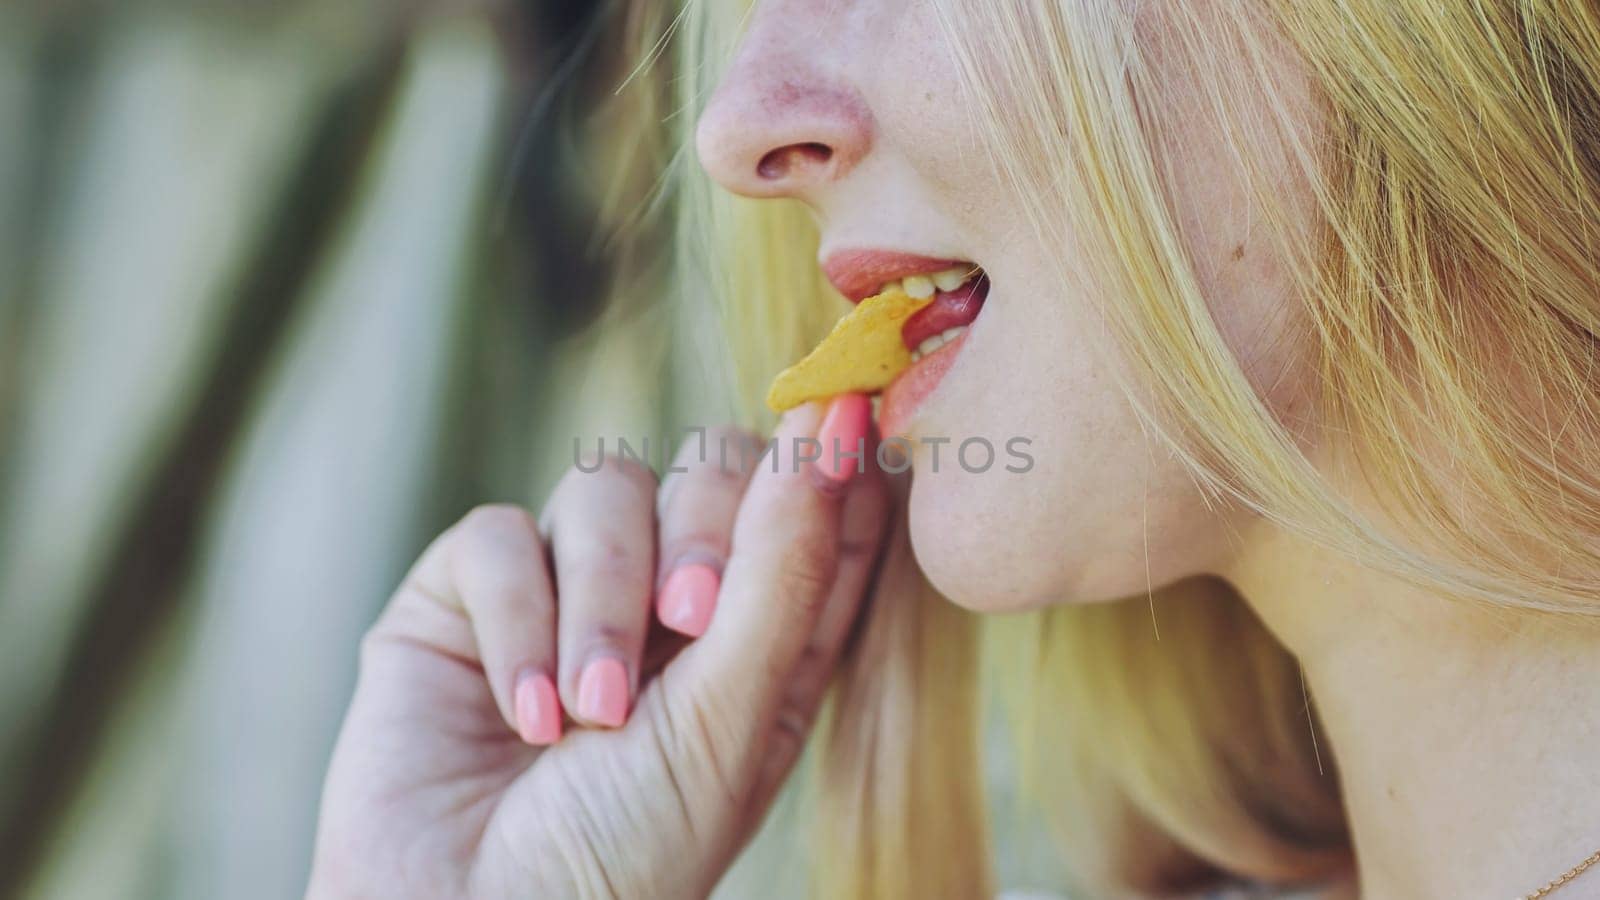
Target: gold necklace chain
{"x": 1551, "y": 887}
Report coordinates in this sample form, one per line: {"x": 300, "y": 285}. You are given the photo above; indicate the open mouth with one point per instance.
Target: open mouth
{"x": 958, "y": 288}
{"x": 958, "y": 295}
{"x": 933, "y": 335}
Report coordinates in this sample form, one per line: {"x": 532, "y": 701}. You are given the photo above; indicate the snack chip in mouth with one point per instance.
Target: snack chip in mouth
{"x": 862, "y": 354}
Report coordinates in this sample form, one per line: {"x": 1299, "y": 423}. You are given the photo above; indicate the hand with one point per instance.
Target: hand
{"x": 452, "y": 777}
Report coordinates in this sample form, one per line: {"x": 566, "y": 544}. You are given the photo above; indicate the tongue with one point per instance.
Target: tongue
{"x": 949, "y": 309}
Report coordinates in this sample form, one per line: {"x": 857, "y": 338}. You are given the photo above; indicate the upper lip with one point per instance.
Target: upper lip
{"x": 859, "y": 273}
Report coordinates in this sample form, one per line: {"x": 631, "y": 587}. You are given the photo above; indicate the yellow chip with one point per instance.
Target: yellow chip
{"x": 862, "y": 354}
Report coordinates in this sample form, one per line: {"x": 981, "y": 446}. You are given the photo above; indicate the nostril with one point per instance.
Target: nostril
{"x": 780, "y": 162}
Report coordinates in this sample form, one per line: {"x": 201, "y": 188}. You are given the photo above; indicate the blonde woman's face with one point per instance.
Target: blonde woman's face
{"x": 855, "y": 110}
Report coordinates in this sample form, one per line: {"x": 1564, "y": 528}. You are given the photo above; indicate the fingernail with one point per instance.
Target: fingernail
{"x": 537, "y": 708}
{"x": 687, "y": 599}
{"x": 844, "y": 436}
{"x": 603, "y": 692}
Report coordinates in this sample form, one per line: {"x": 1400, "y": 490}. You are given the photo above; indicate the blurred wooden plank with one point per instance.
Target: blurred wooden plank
{"x": 16, "y": 92}
{"x": 186, "y": 133}
{"x": 110, "y": 840}
{"x": 16, "y": 77}
{"x": 324, "y": 504}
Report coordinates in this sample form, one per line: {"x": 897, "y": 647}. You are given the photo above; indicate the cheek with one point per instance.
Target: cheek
{"x": 1101, "y": 512}
{"x": 1247, "y": 283}
{"x": 1106, "y": 511}
{"x": 1237, "y": 220}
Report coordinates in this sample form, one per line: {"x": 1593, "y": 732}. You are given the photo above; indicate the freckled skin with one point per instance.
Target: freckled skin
{"x": 1106, "y": 511}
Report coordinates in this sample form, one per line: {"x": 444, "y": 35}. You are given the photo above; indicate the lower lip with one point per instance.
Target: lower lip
{"x": 905, "y": 395}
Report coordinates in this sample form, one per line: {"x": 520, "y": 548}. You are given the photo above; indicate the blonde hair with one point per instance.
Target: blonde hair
{"x": 1451, "y": 292}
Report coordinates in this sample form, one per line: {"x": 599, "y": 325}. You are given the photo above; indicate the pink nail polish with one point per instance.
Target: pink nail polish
{"x": 537, "y": 708}
{"x": 603, "y": 692}
{"x": 844, "y": 437}
{"x": 687, "y": 599}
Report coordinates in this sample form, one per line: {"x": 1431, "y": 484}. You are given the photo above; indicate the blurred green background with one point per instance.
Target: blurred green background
{"x": 286, "y": 288}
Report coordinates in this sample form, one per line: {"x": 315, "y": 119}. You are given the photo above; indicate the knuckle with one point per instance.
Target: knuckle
{"x": 719, "y": 475}
{"x": 597, "y": 468}
{"x": 720, "y": 447}
{"x": 494, "y": 590}
{"x": 737, "y": 449}
{"x": 803, "y": 676}
{"x": 493, "y": 546}
{"x": 602, "y": 556}
{"x": 612, "y": 467}
{"x": 582, "y": 485}
{"x": 707, "y": 540}
{"x": 498, "y": 522}
{"x": 702, "y": 491}
{"x": 806, "y": 568}
{"x": 611, "y": 638}
{"x": 633, "y": 472}
{"x": 814, "y": 658}
{"x": 790, "y": 729}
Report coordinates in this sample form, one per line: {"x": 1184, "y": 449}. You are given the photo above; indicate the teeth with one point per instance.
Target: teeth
{"x": 918, "y": 286}
{"x": 950, "y": 279}
{"x": 923, "y": 286}
{"x": 939, "y": 340}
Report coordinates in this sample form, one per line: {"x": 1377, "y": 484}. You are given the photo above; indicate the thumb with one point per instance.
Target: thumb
{"x": 783, "y": 568}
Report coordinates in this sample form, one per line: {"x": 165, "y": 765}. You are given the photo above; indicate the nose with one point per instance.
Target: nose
{"x": 780, "y": 124}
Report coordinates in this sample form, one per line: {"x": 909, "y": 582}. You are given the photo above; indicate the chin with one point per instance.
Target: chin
{"x": 972, "y": 550}
{"x": 1007, "y": 544}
